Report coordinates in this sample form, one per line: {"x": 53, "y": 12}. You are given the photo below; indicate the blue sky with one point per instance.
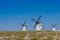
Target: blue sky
{"x": 14, "y": 11}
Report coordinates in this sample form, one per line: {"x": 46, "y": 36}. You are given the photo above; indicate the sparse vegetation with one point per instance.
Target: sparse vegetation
{"x": 34, "y": 35}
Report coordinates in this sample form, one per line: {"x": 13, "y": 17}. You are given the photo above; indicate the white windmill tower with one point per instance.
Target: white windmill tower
{"x": 24, "y": 26}
{"x": 38, "y": 24}
{"x": 54, "y": 27}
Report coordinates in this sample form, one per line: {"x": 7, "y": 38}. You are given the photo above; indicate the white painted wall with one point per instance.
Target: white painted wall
{"x": 54, "y": 29}
{"x": 39, "y": 27}
{"x": 24, "y": 28}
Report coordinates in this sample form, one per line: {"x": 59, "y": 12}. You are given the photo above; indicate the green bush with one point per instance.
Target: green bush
{"x": 35, "y": 39}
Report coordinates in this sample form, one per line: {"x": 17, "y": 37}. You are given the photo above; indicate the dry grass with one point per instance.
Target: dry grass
{"x": 40, "y": 35}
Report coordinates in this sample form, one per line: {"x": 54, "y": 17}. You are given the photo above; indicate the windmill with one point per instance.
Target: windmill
{"x": 38, "y": 24}
{"x": 24, "y": 26}
{"x": 54, "y": 27}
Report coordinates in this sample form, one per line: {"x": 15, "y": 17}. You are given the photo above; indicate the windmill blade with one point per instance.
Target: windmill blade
{"x": 33, "y": 20}
{"x": 40, "y": 22}
{"x": 39, "y": 18}
{"x": 24, "y": 23}
{"x": 20, "y": 23}
{"x": 35, "y": 25}
{"x": 53, "y": 25}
